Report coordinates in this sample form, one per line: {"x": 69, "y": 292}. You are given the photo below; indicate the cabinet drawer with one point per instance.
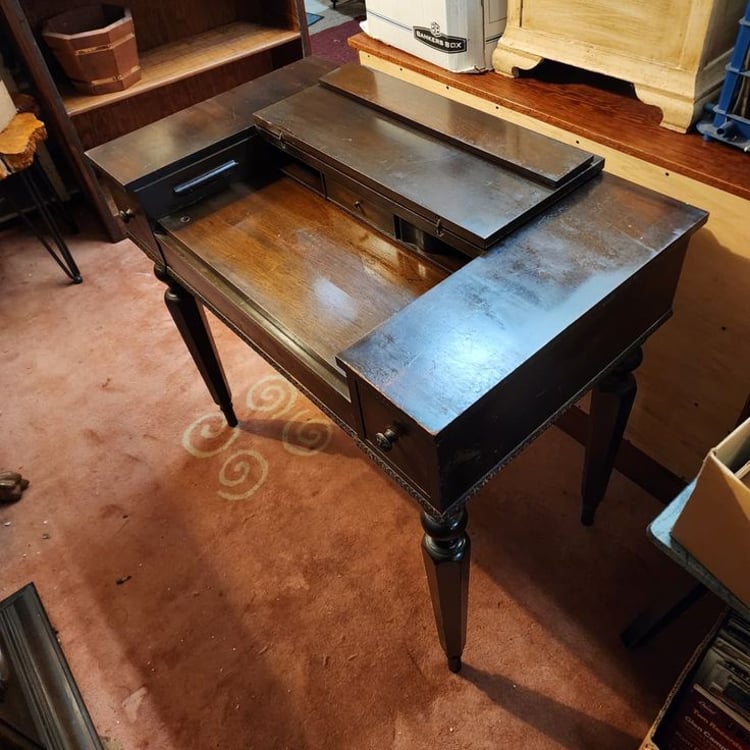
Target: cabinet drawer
{"x": 362, "y": 203}
{"x": 137, "y": 223}
{"x": 203, "y": 177}
{"x": 398, "y": 440}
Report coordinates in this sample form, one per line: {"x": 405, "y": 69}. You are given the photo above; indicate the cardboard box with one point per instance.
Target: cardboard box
{"x": 459, "y": 35}
{"x": 714, "y": 526}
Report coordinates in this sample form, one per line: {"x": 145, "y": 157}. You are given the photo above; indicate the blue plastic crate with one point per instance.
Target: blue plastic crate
{"x": 729, "y": 121}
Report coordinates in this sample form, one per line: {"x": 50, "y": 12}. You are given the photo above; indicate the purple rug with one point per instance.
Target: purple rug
{"x": 331, "y": 43}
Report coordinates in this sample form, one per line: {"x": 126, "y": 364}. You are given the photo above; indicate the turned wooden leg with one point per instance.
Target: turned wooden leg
{"x": 446, "y": 551}
{"x": 611, "y": 401}
{"x": 190, "y": 320}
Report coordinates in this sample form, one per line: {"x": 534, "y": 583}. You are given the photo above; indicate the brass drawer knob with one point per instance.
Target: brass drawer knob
{"x": 126, "y": 214}
{"x": 386, "y": 439}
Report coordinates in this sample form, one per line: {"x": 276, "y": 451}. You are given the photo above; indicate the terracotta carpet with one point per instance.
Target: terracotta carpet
{"x": 262, "y": 587}
{"x": 332, "y": 43}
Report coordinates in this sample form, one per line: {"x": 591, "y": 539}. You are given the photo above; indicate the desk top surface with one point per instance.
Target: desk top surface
{"x": 482, "y": 323}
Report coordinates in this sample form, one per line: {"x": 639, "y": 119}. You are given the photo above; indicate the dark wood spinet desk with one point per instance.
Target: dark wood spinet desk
{"x": 440, "y": 357}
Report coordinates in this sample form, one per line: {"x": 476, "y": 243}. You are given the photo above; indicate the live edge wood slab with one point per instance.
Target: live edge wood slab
{"x": 340, "y": 235}
{"x": 18, "y": 143}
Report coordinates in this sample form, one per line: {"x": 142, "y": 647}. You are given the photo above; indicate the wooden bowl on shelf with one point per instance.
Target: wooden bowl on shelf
{"x": 96, "y": 47}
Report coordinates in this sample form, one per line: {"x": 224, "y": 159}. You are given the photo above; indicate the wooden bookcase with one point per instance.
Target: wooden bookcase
{"x": 189, "y": 50}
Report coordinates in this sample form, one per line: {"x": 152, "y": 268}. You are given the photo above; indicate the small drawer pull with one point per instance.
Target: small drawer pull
{"x": 386, "y": 439}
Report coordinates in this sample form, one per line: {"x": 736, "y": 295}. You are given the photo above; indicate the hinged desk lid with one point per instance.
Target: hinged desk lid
{"x": 471, "y": 174}
{"x": 537, "y": 157}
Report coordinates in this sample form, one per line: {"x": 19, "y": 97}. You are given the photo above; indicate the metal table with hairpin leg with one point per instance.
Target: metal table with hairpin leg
{"x": 18, "y": 146}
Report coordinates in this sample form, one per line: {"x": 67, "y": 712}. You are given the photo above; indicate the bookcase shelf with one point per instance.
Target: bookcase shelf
{"x": 184, "y": 59}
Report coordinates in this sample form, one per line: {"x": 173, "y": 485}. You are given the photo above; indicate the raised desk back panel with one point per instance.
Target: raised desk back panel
{"x": 475, "y": 196}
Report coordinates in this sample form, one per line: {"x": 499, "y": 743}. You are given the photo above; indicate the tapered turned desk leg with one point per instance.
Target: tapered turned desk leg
{"x": 446, "y": 552}
{"x": 611, "y": 401}
{"x": 190, "y": 320}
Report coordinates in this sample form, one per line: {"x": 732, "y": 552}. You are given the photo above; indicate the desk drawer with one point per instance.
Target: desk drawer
{"x": 441, "y": 466}
{"x": 398, "y": 440}
{"x": 130, "y": 212}
{"x": 362, "y": 203}
{"x": 207, "y": 176}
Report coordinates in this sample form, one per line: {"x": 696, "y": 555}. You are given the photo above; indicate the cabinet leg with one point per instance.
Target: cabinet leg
{"x": 190, "y": 320}
{"x": 446, "y": 551}
{"x": 611, "y": 401}
{"x": 679, "y": 109}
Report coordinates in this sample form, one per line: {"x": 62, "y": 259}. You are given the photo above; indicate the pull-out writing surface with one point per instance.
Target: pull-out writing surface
{"x": 314, "y": 275}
